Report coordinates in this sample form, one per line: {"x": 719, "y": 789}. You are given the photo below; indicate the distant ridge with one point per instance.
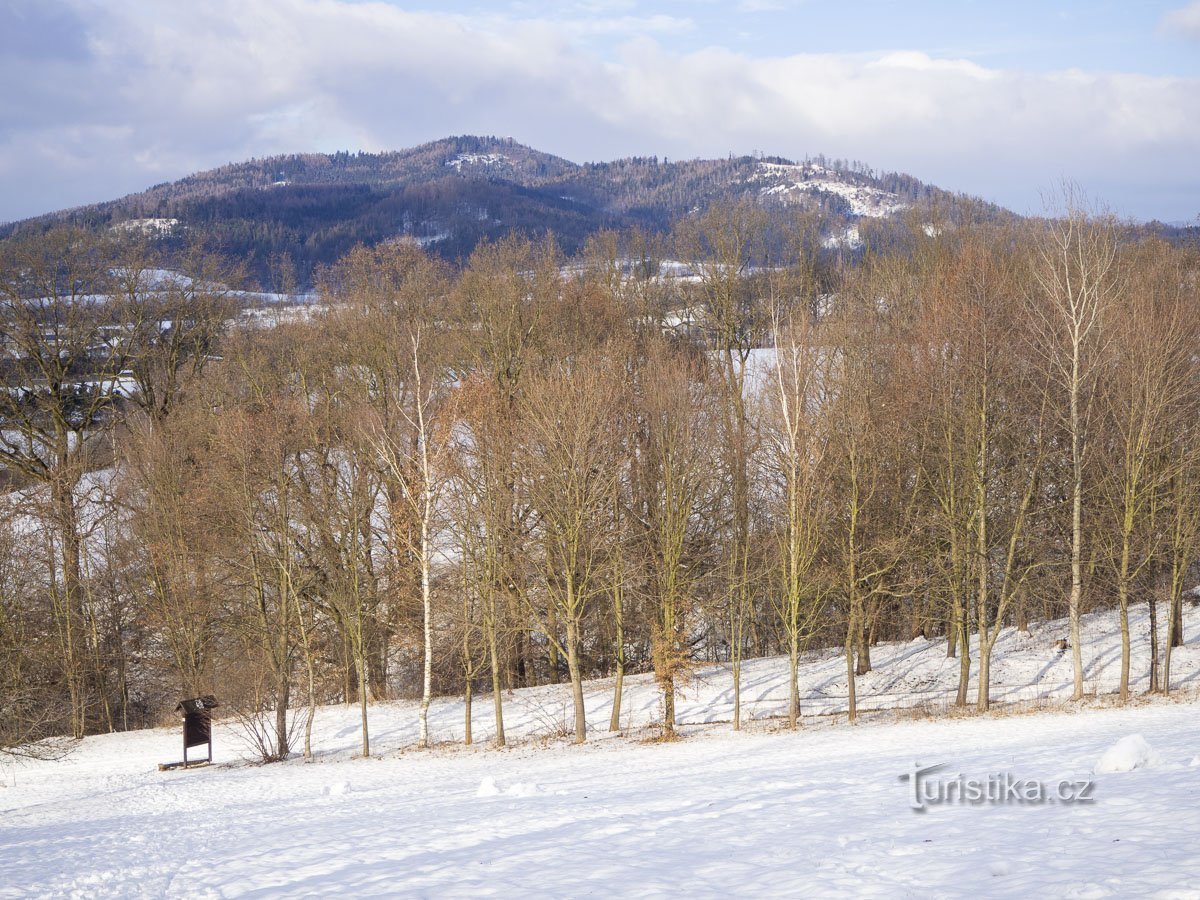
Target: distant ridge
{"x": 452, "y": 193}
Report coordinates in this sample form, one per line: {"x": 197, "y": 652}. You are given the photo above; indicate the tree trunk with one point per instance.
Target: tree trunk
{"x": 497, "y": 699}
{"x": 1076, "y": 597}
{"x": 737, "y": 692}
{"x": 467, "y": 712}
{"x": 614, "y": 721}
{"x": 669, "y": 703}
{"x": 851, "y": 698}
{"x": 1172, "y": 624}
{"x": 793, "y": 682}
{"x": 1022, "y": 614}
{"x": 736, "y": 613}
{"x": 282, "y": 696}
{"x": 362, "y": 703}
{"x": 576, "y": 680}
{"x": 985, "y": 683}
{"x": 552, "y": 646}
{"x": 348, "y": 682}
{"x": 69, "y": 612}
{"x": 864, "y": 650}
{"x": 962, "y": 628}
{"x": 1123, "y": 602}
{"x": 311, "y": 683}
{"x": 427, "y": 616}
{"x": 1153, "y": 642}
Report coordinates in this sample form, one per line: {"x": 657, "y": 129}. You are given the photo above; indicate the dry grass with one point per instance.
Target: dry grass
{"x": 663, "y": 736}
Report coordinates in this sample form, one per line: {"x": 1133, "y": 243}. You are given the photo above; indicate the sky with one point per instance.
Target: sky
{"x": 1002, "y": 100}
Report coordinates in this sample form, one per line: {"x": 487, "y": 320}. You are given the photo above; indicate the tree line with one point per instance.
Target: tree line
{"x": 526, "y": 469}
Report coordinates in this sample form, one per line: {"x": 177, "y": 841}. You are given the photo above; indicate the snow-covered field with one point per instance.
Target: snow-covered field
{"x": 762, "y": 812}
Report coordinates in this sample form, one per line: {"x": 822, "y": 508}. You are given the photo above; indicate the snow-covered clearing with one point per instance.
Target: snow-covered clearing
{"x": 476, "y": 159}
{"x": 761, "y": 812}
{"x": 794, "y": 181}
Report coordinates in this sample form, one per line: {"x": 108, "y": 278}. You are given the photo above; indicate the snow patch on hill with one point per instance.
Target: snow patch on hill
{"x": 792, "y": 183}
{"x": 477, "y": 159}
{"x": 154, "y": 227}
{"x": 849, "y": 239}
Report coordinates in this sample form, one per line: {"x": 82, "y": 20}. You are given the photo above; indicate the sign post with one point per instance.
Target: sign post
{"x": 197, "y": 728}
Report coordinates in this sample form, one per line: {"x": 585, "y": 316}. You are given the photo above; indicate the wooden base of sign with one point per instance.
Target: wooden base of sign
{"x": 199, "y": 764}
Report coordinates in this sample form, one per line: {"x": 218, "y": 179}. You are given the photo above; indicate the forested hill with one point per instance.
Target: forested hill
{"x": 450, "y": 194}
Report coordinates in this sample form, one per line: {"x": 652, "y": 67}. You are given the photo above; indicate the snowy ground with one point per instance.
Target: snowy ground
{"x": 763, "y": 812}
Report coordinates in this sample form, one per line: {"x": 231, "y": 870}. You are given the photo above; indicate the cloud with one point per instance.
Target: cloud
{"x": 1184, "y": 21}
{"x": 761, "y": 6}
{"x": 626, "y": 25}
{"x": 33, "y": 30}
{"x": 154, "y": 91}
{"x": 606, "y": 6}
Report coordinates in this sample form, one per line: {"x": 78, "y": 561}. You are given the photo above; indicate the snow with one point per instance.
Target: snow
{"x": 1127, "y": 754}
{"x": 154, "y": 279}
{"x": 476, "y": 159}
{"x": 489, "y": 788}
{"x": 791, "y": 182}
{"x": 123, "y": 385}
{"x": 156, "y": 226}
{"x": 850, "y": 239}
{"x": 819, "y": 812}
{"x": 429, "y": 240}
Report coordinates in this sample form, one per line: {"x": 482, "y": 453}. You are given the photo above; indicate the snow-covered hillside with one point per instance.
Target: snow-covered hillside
{"x": 476, "y": 159}
{"x": 820, "y": 812}
{"x": 790, "y": 183}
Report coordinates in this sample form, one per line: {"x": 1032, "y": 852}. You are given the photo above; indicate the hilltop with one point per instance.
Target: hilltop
{"x": 450, "y": 194}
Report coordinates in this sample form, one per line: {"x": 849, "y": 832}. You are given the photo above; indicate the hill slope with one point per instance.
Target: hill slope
{"x": 452, "y": 193}
{"x": 821, "y": 812}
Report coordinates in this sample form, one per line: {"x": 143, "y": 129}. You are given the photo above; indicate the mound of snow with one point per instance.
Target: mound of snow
{"x": 489, "y": 788}
{"x": 1125, "y": 755}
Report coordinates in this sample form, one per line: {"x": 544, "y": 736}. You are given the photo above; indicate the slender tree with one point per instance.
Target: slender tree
{"x": 1078, "y": 282}
{"x": 570, "y": 461}
{"x": 797, "y": 458}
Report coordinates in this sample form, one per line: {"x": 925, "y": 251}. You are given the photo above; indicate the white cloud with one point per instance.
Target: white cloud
{"x": 1184, "y": 21}
{"x": 760, "y": 6}
{"x": 165, "y": 89}
{"x": 606, "y": 6}
{"x": 627, "y": 25}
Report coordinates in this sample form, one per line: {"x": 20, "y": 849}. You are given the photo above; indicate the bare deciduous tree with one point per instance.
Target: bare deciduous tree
{"x": 1078, "y": 282}
{"x": 570, "y": 462}
{"x": 798, "y": 439}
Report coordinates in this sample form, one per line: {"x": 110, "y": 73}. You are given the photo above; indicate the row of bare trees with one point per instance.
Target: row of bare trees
{"x": 442, "y": 481}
